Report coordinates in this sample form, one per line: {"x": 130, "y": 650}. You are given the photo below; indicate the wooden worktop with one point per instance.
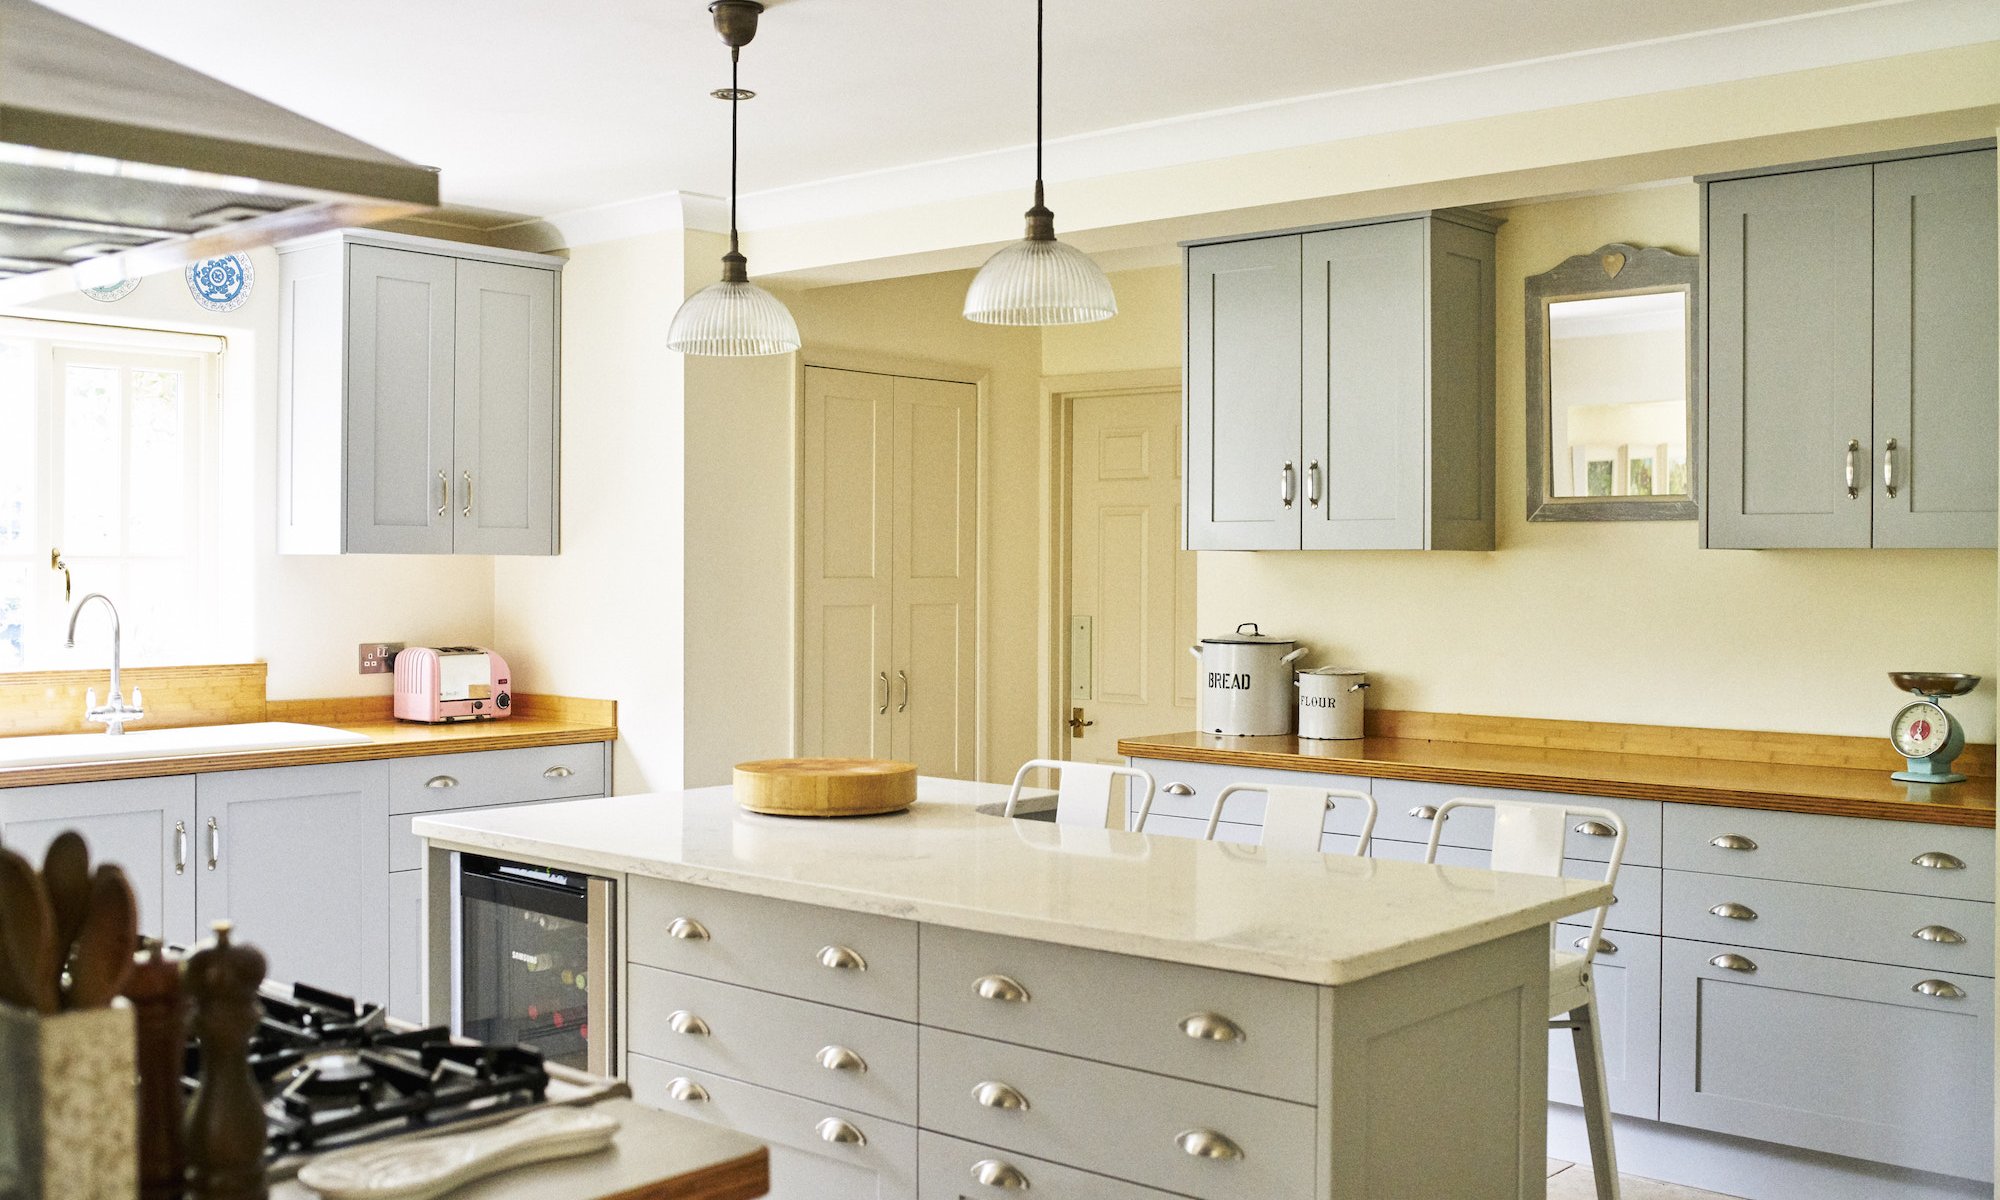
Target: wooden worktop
{"x": 1795, "y": 783}
{"x": 537, "y": 721}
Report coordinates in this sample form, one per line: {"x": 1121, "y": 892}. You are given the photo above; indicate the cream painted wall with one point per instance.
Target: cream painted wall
{"x": 1602, "y": 622}
{"x": 304, "y": 615}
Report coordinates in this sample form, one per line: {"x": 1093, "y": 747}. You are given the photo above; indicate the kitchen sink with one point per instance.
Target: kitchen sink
{"x": 41, "y": 750}
{"x": 1031, "y": 808}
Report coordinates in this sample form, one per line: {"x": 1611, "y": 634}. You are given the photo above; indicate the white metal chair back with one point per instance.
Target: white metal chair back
{"x": 1088, "y": 795}
{"x": 1294, "y": 816}
{"x": 1528, "y": 838}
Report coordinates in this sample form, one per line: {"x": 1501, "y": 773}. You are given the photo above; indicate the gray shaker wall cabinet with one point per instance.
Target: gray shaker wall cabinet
{"x": 418, "y": 385}
{"x": 1851, "y": 351}
{"x": 1340, "y": 388}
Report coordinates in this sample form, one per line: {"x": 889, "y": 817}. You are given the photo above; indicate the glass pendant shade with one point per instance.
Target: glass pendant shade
{"x": 733, "y": 319}
{"x": 1040, "y": 282}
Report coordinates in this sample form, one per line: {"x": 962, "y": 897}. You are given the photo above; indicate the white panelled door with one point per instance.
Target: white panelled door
{"x": 890, "y": 567}
{"x": 1131, "y": 585}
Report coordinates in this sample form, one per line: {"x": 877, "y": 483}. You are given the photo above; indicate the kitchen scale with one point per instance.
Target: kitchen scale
{"x": 1923, "y": 732}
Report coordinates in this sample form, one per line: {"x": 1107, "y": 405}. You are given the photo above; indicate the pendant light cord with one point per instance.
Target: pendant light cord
{"x": 735, "y": 92}
{"x": 1038, "y": 97}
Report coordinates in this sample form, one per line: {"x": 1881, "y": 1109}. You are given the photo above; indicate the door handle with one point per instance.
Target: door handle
{"x": 1734, "y": 911}
{"x": 1077, "y": 724}
{"x": 1938, "y": 860}
{"x": 840, "y": 1058}
{"x": 1604, "y": 945}
{"x": 1944, "y": 935}
{"x": 840, "y": 958}
{"x": 440, "y": 781}
{"x": 180, "y": 846}
{"x": 1207, "y": 1143}
{"x": 1889, "y": 468}
{"x": 687, "y": 930}
{"x": 1312, "y": 483}
{"x": 682, "y": 1021}
{"x": 557, "y": 772}
{"x": 468, "y": 494}
{"x": 1733, "y": 962}
{"x": 214, "y": 842}
{"x": 1732, "y": 841}
{"x": 1178, "y": 789}
{"x": 1939, "y": 988}
{"x": 999, "y": 1095}
{"x": 839, "y": 1132}
{"x": 903, "y": 679}
{"x": 444, "y": 492}
{"x": 1853, "y": 475}
{"x": 1211, "y": 1027}
{"x": 1286, "y": 487}
{"x": 991, "y": 1172}
{"x": 1596, "y": 829}
{"x": 1001, "y": 988}
{"x": 686, "y": 1090}
{"x": 884, "y": 677}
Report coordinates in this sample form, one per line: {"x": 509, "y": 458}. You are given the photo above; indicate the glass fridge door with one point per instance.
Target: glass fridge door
{"x": 525, "y": 972}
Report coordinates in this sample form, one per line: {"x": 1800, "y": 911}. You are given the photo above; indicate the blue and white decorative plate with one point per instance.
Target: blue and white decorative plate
{"x": 111, "y": 291}
{"x": 221, "y": 284}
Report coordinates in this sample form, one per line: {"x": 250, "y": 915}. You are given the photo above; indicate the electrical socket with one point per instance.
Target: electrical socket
{"x": 379, "y": 658}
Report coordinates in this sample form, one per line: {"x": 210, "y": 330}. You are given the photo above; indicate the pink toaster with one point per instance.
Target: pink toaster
{"x": 451, "y": 683}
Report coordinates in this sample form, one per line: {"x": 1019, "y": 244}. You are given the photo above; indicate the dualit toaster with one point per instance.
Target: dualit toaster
{"x": 451, "y": 683}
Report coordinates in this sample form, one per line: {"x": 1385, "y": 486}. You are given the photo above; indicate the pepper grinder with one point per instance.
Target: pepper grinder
{"x": 224, "y": 1138}
{"x": 154, "y": 988}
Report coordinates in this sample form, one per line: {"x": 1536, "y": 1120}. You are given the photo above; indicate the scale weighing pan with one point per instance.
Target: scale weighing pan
{"x": 1934, "y": 683}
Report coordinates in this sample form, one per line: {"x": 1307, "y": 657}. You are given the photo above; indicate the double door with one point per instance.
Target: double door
{"x": 1852, "y": 356}
{"x": 889, "y": 562}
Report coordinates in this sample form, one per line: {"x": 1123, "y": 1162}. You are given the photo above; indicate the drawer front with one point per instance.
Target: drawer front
{"x": 1634, "y": 909}
{"x": 1627, "y": 982}
{"x": 1252, "y": 1034}
{"x": 440, "y": 782}
{"x": 1115, "y": 1121}
{"x": 951, "y": 1169}
{"x": 882, "y": 1166}
{"x": 1204, "y": 781}
{"x": 777, "y": 946}
{"x": 1406, "y": 806}
{"x": 1841, "y": 1057}
{"x": 1927, "y": 932}
{"x": 836, "y": 1055}
{"x": 406, "y": 849}
{"x": 1845, "y": 851}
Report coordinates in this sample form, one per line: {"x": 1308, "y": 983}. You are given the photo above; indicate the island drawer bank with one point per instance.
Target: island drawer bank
{"x": 1104, "y": 1014}
{"x": 1819, "y": 983}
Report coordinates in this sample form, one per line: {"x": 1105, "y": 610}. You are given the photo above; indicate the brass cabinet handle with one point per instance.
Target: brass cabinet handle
{"x": 180, "y": 847}
{"x": 687, "y": 929}
{"x": 993, "y": 1173}
{"x": 1211, "y": 1027}
{"x": 1939, "y": 988}
{"x": 1853, "y": 477}
{"x": 999, "y": 1095}
{"x": 1207, "y": 1143}
{"x": 1733, "y": 962}
{"x": 682, "y": 1021}
{"x": 686, "y": 1090}
{"x": 1001, "y": 988}
{"x": 1889, "y": 468}
{"x": 840, "y": 1058}
{"x": 1938, "y": 860}
{"x": 1312, "y": 483}
{"x": 214, "y": 842}
{"x": 1178, "y": 789}
{"x": 840, "y": 958}
{"x": 1732, "y": 841}
{"x": 1944, "y": 935}
{"x": 468, "y": 494}
{"x": 839, "y": 1132}
{"x": 1734, "y": 911}
{"x": 1604, "y": 945}
{"x": 444, "y": 491}
{"x": 557, "y": 772}
{"x": 1596, "y": 829}
{"x": 440, "y": 781}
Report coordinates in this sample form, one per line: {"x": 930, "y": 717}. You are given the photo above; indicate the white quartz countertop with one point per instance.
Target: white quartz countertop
{"x": 1325, "y": 919}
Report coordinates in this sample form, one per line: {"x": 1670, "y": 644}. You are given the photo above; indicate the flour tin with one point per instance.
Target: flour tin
{"x": 1331, "y": 703}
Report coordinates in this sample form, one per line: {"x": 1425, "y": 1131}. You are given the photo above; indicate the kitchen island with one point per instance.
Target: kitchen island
{"x": 944, "y": 1002}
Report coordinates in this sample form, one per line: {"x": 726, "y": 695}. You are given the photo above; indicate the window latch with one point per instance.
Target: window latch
{"x": 56, "y": 563}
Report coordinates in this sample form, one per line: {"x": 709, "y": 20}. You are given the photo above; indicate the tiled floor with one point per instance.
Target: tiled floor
{"x": 1571, "y": 1182}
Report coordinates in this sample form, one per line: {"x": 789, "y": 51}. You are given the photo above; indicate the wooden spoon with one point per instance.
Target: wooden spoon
{"x": 28, "y": 964}
{"x": 66, "y": 875}
{"x": 107, "y": 942}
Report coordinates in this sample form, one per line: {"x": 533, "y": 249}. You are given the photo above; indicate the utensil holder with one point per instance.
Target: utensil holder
{"x": 69, "y": 1116}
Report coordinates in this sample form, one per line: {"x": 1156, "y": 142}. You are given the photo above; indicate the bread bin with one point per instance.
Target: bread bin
{"x": 1246, "y": 682}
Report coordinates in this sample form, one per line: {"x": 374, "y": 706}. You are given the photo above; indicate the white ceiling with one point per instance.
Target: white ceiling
{"x": 538, "y": 108}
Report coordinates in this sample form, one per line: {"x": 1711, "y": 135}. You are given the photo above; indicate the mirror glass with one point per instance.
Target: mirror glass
{"x": 1618, "y": 396}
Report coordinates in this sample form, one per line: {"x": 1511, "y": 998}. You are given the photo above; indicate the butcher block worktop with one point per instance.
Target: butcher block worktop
{"x": 1790, "y": 773}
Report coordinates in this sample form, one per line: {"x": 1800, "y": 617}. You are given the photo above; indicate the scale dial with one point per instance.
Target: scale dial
{"x": 1920, "y": 729}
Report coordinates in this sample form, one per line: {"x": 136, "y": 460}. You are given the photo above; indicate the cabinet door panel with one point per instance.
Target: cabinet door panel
{"x": 406, "y": 946}
{"x": 1935, "y": 351}
{"x": 848, "y": 425}
{"x": 504, "y": 410}
{"x": 1627, "y": 980}
{"x": 139, "y": 824}
{"x": 935, "y": 575}
{"x": 1243, "y": 389}
{"x": 302, "y": 868}
{"x": 1829, "y": 1055}
{"x": 400, "y": 322}
{"x": 1365, "y": 387}
{"x": 1790, "y": 322}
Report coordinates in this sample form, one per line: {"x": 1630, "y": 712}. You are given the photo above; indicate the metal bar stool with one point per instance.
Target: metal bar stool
{"x": 1086, "y": 793}
{"x": 1295, "y": 817}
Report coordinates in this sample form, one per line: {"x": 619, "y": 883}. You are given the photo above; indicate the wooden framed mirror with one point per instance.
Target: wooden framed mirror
{"x": 1612, "y": 387}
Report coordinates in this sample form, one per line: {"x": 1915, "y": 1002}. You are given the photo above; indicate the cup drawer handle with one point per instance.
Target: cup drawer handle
{"x": 999, "y": 1095}
{"x": 1207, "y": 1143}
{"x": 839, "y": 1132}
{"x": 440, "y": 781}
{"x": 1734, "y": 911}
{"x": 687, "y": 929}
{"x": 1939, "y": 988}
{"x": 1732, "y": 841}
{"x": 682, "y": 1021}
{"x": 991, "y": 1172}
{"x": 840, "y": 1058}
{"x": 1001, "y": 988}
{"x": 1938, "y": 860}
{"x": 1211, "y": 1027}
{"x": 1942, "y": 934}
{"x": 557, "y": 772}
{"x": 1604, "y": 945}
{"x": 1596, "y": 829}
{"x": 686, "y": 1090}
{"x": 1178, "y": 789}
{"x": 1733, "y": 962}
{"x": 840, "y": 958}
{"x": 1422, "y": 812}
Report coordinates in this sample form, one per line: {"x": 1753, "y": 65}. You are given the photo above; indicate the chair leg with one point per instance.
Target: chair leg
{"x": 1596, "y": 1102}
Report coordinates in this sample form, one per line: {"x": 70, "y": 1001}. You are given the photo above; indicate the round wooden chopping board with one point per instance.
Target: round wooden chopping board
{"x": 825, "y": 787}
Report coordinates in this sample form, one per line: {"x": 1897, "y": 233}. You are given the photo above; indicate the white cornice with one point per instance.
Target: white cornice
{"x": 1862, "y": 32}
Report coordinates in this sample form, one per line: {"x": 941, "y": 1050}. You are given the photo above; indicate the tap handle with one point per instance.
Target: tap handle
{"x": 138, "y": 699}
{"x": 90, "y": 700}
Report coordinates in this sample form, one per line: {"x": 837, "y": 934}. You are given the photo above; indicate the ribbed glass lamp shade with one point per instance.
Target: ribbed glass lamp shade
{"x": 1040, "y": 282}
{"x": 733, "y": 319}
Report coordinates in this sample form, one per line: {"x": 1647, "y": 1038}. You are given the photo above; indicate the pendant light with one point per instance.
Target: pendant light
{"x": 735, "y": 317}
{"x": 1038, "y": 280}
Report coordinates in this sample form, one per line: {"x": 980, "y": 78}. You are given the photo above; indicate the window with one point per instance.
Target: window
{"x": 107, "y": 439}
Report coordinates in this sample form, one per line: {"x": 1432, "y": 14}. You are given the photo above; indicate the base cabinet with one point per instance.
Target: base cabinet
{"x": 146, "y": 826}
{"x": 1627, "y": 978}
